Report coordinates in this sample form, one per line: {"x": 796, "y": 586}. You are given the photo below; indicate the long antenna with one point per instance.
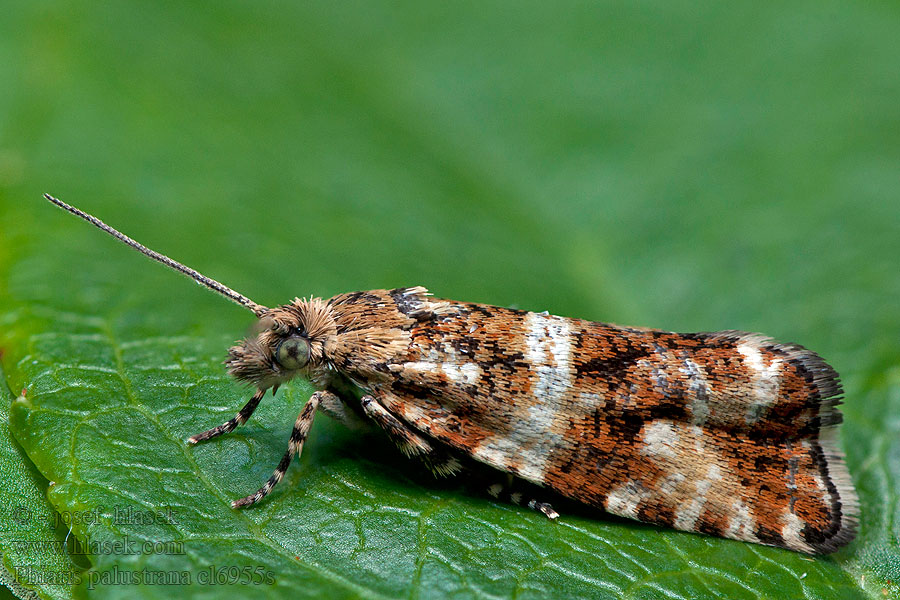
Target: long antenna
{"x": 212, "y": 284}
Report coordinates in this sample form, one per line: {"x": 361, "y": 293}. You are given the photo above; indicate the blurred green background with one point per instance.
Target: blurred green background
{"x": 688, "y": 166}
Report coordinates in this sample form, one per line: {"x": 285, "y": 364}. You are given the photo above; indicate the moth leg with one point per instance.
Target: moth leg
{"x": 442, "y": 464}
{"x": 295, "y": 446}
{"x": 336, "y": 407}
{"x": 543, "y": 507}
{"x": 228, "y": 426}
{"x": 504, "y": 491}
{"x": 409, "y": 441}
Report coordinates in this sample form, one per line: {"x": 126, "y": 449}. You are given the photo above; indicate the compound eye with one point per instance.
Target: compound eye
{"x": 292, "y": 353}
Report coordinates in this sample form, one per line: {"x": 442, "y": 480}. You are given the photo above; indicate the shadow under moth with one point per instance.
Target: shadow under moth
{"x": 725, "y": 433}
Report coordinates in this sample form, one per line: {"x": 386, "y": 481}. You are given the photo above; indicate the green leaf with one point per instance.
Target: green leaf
{"x": 32, "y": 542}
{"x": 687, "y": 167}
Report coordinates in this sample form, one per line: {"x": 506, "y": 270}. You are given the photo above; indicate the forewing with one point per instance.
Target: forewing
{"x": 728, "y": 433}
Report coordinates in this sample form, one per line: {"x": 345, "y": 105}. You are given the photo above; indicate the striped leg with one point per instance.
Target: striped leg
{"x": 543, "y": 507}
{"x": 409, "y": 442}
{"x": 295, "y": 446}
{"x": 503, "y": 491}
{"x": 229, "y": 426}
{"x": 440, "y": 462}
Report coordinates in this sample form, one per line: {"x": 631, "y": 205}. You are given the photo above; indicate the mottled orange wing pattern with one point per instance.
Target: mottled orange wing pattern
{"x": 727, "y": 433}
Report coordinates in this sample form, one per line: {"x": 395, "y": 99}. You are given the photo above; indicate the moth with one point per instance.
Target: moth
{"x": 726, "y": 433}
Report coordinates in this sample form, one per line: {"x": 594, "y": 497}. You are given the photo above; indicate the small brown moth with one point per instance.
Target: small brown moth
{"x": 725, "y": 433}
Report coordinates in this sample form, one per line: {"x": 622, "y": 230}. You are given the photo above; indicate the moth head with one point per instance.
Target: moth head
{"x": 287, "y": 341}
